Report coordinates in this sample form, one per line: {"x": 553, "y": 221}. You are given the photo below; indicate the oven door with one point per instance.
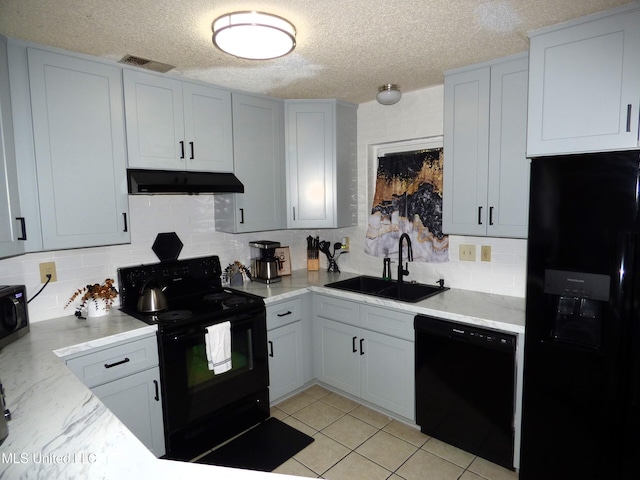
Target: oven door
{"x": 192, "y": 392}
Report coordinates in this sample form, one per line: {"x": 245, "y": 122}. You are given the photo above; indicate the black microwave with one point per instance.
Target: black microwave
{"x": 14, "y": 317}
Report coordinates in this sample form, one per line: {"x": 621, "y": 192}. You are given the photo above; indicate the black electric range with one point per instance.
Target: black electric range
{"x": 202, "y": 408}
{"x": 193, "y": 290}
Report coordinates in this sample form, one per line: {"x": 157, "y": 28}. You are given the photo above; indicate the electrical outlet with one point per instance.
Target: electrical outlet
{"x": 467, "y": 253}
{"x": 48, "y": 268}
{"x": 485, "y": 253}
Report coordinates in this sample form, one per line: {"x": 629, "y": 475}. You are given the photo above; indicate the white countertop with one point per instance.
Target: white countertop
{"x": 475, "y": 308}
{"x": 59, "y": 429}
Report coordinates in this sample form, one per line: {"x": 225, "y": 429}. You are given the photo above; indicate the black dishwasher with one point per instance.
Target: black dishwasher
{"x": 465, "y": 387}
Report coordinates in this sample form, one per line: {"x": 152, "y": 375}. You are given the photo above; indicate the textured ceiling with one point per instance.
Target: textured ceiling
{"x": 345, "y": 48}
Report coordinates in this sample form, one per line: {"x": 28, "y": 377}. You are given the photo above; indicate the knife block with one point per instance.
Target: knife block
{"x": 313, "y": 264}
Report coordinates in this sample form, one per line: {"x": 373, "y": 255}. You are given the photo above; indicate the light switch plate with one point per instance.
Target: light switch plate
{"x": 467, "y": 253}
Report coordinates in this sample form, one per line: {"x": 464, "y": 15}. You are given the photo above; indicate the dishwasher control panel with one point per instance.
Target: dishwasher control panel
{"x": 481, "y": 336}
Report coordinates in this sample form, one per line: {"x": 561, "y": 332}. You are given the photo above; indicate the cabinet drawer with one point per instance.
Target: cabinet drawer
{"x": 389, "y": 322}
{"x": 345, "y": 311}
{"x": 284, "y": 313}
{"x": 116, "y": 362}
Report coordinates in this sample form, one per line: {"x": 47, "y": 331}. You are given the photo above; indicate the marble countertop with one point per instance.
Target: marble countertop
{"x": 464, "y": 306}
{"x": 59, "y": 429}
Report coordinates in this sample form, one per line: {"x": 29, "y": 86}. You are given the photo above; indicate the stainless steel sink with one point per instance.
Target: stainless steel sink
{"x": 405, "y": 292}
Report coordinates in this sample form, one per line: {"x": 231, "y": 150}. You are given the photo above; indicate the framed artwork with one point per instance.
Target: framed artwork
{"x": 285, "y": 260}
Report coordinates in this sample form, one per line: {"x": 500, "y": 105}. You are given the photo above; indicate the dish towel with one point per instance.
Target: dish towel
{"x": 217, "y": 340}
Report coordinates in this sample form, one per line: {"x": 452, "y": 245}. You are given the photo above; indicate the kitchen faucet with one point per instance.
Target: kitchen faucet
{"x": 404, "y": 271}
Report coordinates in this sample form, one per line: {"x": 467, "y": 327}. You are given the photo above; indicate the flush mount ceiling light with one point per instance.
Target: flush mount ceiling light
{"x": 254, "y": 35}
{"x": 388, "y": 94}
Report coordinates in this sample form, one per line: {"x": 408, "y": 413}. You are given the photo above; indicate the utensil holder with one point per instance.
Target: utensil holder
{"x": 333, "y": 265}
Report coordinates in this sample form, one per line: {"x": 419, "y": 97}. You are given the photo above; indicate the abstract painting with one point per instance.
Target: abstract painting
{"x": 408, "y": 199}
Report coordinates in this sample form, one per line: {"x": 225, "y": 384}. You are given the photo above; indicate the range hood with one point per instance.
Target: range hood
{"x": 177, "y": 182}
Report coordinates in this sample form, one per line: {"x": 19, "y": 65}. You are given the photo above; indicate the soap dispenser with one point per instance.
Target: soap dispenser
{"x": 386, "y": 269}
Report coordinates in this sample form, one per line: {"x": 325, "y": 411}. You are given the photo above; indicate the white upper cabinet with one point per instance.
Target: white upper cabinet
{"x": 80, "y": 152}
{"x": 486, "y": 172}
{"x": 321, "y": 163}
{"x": 258, "y": 149}
{"x": 11, "y": 224}
{"x": 176, "y": 125}
{"x": 584, "y": 84}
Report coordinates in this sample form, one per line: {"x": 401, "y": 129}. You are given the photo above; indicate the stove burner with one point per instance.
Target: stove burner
{"x": 216, "y": 297}
{"x": 174, "y": 315}
{"x": 235, "y": 301}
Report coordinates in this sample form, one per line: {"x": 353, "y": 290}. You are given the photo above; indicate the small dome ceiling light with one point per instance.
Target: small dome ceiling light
{"x": 388, "y": 94}
{"x": 254, "y": 35}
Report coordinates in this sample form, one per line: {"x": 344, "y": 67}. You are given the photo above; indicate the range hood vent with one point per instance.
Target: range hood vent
{"x": 171, "y": 182}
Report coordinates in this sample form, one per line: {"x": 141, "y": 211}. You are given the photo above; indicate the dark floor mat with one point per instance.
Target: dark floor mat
{"x": 262, "y": 448}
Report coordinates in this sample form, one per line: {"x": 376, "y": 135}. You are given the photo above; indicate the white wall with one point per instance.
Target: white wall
{"x": 417, "y": 115}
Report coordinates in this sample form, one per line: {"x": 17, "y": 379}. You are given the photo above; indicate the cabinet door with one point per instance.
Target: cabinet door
{"x": 207, "y": 124}
{"x": 78, "y": 126}
{"x": 155, "y": 121}
{"x": 310, "y": 164}
{"x": 387, "y": 373}
{"x": 466, "y": 152}
{"x": 136, "y": 401}
{"x": 338, "y": 355}
{"x": 285, "y": 360}
{"x": 584, "y": 87}
{"x": 10, "y": 226}
{"x": 258, "y": 151}
{"x": 508, "y": 192}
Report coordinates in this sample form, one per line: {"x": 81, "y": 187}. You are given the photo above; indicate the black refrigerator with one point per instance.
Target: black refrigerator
{"x": 580, "y": 413}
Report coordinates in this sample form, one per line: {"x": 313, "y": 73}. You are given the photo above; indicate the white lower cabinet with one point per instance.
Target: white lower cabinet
{"x": 377, "y": 366}
{"x": 136, "y": 401}
{"x": 288, "y": 346}
{"x": 285, "y": 359}
{"x": 338, "y": 362}
{"x": 387, "y": 373}
{"x": 125, "y": 376}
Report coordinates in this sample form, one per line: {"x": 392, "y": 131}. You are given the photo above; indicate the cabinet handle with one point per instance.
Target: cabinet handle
{"x": 490, "y": 215}
{"x": 361, "y": 349}
{"x": 479, "y": 215}
{"x": 284, "y": 314}
{"x": 181, "y": 149}
{"x": 157, "y": 397}
{"x": 110, "y": 365}
{"x": 353, "y": 344}
{"x": 242, "y": 215}
{"x": 628, "y": 117}
{"x": 294, "y": 213}
{"x": 23, "y": 228}
{"x": 126, "y": 226}
{"x": 192, "y": 154}
{"x": 270, "y": 348}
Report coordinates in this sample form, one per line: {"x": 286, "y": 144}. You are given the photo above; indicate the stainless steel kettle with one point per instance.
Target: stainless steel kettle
{"x": 152, "y": 298}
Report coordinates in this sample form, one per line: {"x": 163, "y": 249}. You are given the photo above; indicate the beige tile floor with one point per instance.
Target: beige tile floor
{"x": 355, "y": 442}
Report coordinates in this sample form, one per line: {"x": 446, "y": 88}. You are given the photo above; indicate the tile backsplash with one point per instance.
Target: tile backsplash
{"x": 417, "y": 115}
